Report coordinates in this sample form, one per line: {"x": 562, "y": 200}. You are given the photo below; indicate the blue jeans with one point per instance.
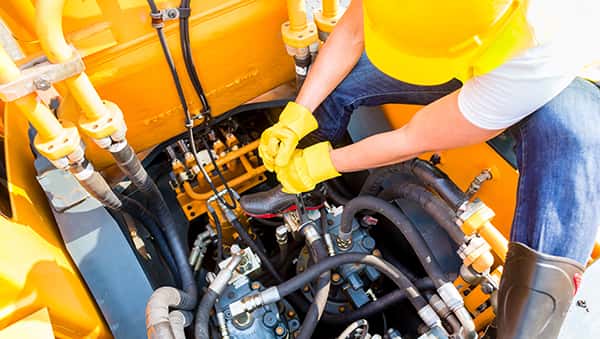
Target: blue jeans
{"x": 557, "y": 147}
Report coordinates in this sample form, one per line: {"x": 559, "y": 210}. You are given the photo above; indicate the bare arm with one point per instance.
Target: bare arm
{"x": 336, "y": 58}
{"x": 438, "y": 126}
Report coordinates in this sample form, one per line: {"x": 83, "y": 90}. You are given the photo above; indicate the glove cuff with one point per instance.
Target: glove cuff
{"x": 298, "y": 119}
{"x": 319, "y": 164}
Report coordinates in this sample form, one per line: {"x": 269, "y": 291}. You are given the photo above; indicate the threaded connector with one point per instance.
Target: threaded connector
{"x": 342, "y": 244}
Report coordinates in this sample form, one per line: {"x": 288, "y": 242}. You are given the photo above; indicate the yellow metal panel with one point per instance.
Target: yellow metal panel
{"x": 36, "y": 271}
{"x": 238, "y": 52}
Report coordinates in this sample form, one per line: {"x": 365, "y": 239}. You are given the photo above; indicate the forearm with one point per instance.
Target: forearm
{"x": 436, "y": 127}
{"x": 336, "y": 58}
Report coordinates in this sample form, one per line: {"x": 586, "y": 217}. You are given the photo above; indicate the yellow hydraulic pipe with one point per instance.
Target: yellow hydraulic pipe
{"x": 297, "y": 15}
{"x": 37, "y": 113}
{"x": 330, "y": 8}
{"x": 8, "y": 70}
{"x": 50, "y": 32}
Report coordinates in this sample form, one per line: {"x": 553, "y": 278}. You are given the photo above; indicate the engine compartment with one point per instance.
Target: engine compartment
{"x": 284, "y": 234}
{"x": 191, "y": 236}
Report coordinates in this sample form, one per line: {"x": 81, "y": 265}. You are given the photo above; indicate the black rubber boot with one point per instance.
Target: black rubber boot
{"x": 535, "y": 293}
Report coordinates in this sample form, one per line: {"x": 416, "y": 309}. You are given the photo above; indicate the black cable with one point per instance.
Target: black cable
{"x": 219, "y": 235}
{"x": 186, "y": 51}
{"x": 189, "y": 124}
{"x": 233, "y": 205}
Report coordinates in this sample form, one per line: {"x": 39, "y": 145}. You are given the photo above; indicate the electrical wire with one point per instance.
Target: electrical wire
{"x": 219, "y": 234}
{"x": 189, "y": 124}
{"x": 186, "y": 51}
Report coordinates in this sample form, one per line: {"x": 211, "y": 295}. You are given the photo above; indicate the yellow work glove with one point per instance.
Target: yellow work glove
{"x": 278, "y": 142}
{"x": 307, "y": 168}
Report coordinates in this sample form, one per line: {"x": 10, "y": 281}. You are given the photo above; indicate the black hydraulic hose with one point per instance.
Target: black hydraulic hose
{"x": 203, "y": 314}
{"x": 428, "y": 174}
{"x": 333, "y": 194}
{"x": 376, "y": 306}
{"x": 323, "y": 221}
{"x": 186, "y": 51}
{"x": 298, "y": 281}
{"x": 430, "y": 203}
{"x": 402, "y": 223}
{"x": 141, "y": 214}
{"x": 318, "y": 251}
{"x": 252, "y": 244}
{"x": 129, "y": 163}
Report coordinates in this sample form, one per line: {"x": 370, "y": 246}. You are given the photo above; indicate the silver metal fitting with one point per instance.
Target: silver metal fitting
{"x": 450, "y": 296}
{"x": 343, "y": 244}
{"x": 310, "y": 233}
{"x": 252, "y": 302}
{"x": 220, "y": 282}
{"x": 469, "y": 208}
{"x": 281, "y": 235}
{"x": 222, "y": 325}
{"x": 439, "y": 306}
{"x": 329, "y": 244}
{"x": 292, "y": 221}
{"x": 475, "y": 185}
{"x": 429, "y": 317}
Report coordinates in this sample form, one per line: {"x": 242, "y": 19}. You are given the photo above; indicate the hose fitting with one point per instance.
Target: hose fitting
{"x": 252, "y": 302}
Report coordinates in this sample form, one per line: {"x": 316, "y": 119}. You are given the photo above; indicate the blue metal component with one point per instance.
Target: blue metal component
{"x": 355, "y": 279}
{"x": 265, "y": 322}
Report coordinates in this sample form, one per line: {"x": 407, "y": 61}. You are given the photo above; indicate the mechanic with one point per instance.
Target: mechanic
{"x": 481, "y": 67}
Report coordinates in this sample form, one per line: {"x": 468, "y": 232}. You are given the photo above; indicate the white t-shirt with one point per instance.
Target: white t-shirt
{"x": 567, "y": 37}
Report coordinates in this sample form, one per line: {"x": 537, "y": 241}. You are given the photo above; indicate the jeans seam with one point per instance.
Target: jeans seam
{"x": 520, "y": 186}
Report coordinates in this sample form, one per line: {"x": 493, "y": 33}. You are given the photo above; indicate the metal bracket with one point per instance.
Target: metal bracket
{"x": 40, "y": 78}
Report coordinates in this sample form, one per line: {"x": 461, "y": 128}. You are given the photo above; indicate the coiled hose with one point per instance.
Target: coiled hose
{"x": 430, "y": 203}
{"x": 428, "y": 174}
{"x": 402, "y": 223}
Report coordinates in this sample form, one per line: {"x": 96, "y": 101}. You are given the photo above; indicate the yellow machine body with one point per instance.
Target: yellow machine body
{"x": 240, "y": 54}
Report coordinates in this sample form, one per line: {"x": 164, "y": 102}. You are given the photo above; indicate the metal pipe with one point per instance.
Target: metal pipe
{"x": 297, "y": 14}
{"x": 50, "y": 33}
{"x": 330, "y": 8}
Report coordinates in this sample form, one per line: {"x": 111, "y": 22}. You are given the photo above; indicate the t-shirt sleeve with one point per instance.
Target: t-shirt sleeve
{"x": 504, "y": 96}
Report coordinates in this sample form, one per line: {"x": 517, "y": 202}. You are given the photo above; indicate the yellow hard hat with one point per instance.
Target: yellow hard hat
{"x": 429, "y": 42}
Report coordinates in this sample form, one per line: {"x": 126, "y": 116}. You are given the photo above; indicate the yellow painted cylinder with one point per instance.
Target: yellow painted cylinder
{"x": 496, "y": 239}
{"x": 297, "y": 14}
{"x": 48, "y": 15}
{"x": 40, "y": 116}
{"x": 330, "y": 8}
{"x": 86, "y": 96}
{"x": 50, "y": 33}
{"x": 8, "y": 70}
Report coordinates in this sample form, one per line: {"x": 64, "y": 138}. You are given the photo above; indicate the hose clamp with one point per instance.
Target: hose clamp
{"x": 41, "y": 77}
